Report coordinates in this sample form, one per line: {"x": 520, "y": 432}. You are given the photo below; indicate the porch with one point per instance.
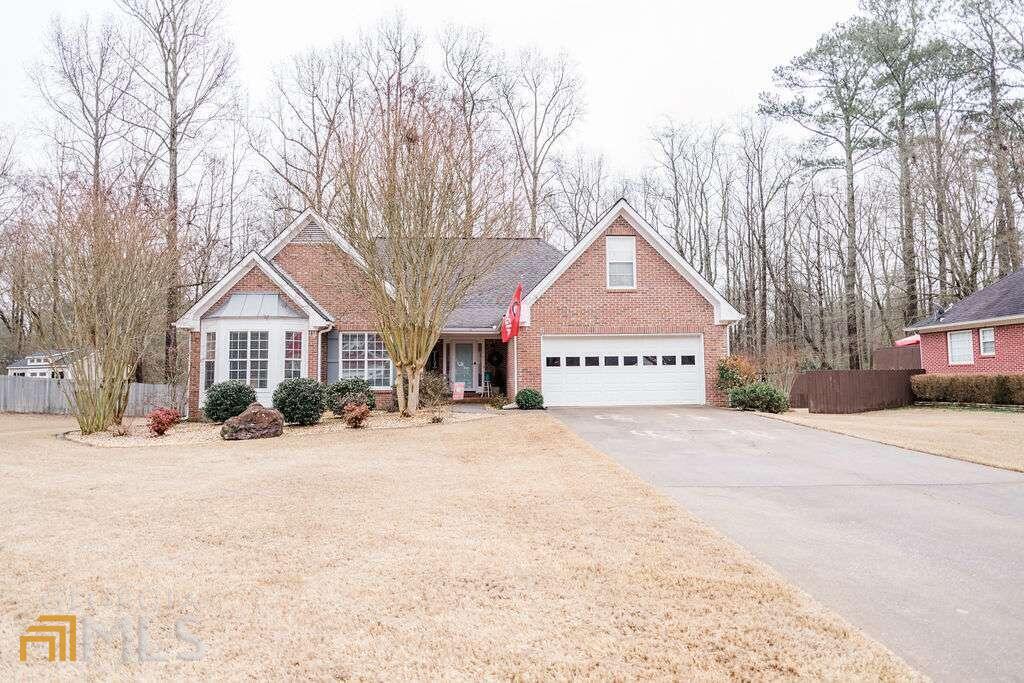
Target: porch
{"x": 477, "y": 361}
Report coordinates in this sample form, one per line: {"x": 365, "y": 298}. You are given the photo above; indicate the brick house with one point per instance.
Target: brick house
{"x": 621, "y": 319}
{"x": 981, "y": 334}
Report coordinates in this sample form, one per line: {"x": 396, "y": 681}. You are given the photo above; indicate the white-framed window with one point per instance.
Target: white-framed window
{"x": 292, "y": 354}
{"x": 210, "y": 360}
{"x": 248, "y": 354}
{"x": 987, "y": 341}
{"x": 363, "y": 355}
{"x": 620, "y": 253}
{"x": 961, "y": 347}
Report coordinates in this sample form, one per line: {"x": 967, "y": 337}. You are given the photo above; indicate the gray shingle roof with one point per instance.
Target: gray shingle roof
{"x": 50, "y": 356}
{"x": 1002, "y": 298}
{"x": 527, "y": 261}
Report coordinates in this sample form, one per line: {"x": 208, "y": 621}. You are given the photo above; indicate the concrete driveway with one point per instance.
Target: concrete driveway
{"x": 924, "y": 553}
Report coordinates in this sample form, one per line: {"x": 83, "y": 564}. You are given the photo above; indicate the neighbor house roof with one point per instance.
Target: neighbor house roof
{"x": 1002, "y": 302}
{"x": 52, "y": 356}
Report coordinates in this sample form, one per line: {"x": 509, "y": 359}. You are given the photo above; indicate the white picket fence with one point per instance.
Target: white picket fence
{"x": 36, "y": 395}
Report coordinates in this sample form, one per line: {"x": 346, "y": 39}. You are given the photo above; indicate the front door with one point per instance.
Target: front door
{"x": 463, "y": 370}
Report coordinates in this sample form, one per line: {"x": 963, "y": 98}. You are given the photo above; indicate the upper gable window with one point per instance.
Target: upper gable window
{"x": 620, "y": 253}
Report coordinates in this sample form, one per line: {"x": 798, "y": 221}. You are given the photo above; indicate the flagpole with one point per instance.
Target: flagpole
{"x": 515, "y": 354}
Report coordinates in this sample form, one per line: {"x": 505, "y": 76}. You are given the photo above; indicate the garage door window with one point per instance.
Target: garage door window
{"x": 668, "y": 360}
{"x": 611, "y": 360}
{"x": 592, "y": 361}
{"x": 553, "y": 361}
{"x": 650, "y": 360}
{"x": 687, "y": 360}
{"x": 572, "y": 361}
{"x": 629, "y": 360}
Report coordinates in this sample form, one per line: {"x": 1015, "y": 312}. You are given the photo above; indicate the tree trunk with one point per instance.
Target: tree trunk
{"x": 1007, "y": 244}
{"x": 173, "y": 256}
{"x": 910, "y": 307}
{"x": 850, "y": 276}
{"x": 413, "y": 402}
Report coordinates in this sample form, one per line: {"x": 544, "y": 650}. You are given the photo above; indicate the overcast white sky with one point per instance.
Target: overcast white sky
{"x": 641, "y": 61}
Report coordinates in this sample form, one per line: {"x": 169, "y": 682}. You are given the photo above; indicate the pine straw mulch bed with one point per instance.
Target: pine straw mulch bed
{"x": 186, "y": 433}
{"x": 501, "y": 549}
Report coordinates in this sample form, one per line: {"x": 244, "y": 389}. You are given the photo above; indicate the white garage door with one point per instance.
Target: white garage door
{"x": 622, "y": 370}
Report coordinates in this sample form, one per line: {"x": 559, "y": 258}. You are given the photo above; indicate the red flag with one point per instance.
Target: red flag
{"x": 510, "y": 321}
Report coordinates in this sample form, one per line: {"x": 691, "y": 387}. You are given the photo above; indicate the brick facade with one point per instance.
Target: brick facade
{"x": 579, "y": 302}
{"x": 1009, "y": 358}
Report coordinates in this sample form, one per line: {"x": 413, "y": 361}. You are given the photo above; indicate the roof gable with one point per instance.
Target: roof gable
{"x": 317, "y": 315}
{"x": 724, "y": 311}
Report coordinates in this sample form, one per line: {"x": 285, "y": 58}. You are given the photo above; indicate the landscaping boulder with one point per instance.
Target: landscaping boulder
{"x": 255, "y": 422}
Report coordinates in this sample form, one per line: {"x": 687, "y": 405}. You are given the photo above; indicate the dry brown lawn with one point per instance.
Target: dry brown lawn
{"x": 989, "y": 437}
{"x": 503, "y": 548}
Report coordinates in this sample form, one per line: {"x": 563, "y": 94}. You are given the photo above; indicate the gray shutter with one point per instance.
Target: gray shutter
{"x": 332, "y": 356}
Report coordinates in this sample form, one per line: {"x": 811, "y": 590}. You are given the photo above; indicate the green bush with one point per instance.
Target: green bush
{"x": 336, "y": 393}
{"x": 735, "y": 371}
{"x": 224, "y": 400}
{"x": 994, "y": 389}
{"x": 759, "y": 396}
{"x": 529, "y": 399}
{"x": 300, "y": 400}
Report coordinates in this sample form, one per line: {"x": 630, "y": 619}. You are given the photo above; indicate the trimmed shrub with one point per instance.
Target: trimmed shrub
{"x": 300, "y": 400}
{"x": 356, "y": 414}
{"x": 224, "y": 400}
{"x": 529, "y": 399}
{"x": 735, "y": 371}
{"x": 994, "y": 389}
{"x": 336, "y": 393}
{"x": 759, "y": 396}
{"x": 161, "y": 420}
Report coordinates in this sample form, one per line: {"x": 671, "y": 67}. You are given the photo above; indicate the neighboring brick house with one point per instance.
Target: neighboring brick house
{"x": 981, "y": 334}
{"x": 619, "y": 319}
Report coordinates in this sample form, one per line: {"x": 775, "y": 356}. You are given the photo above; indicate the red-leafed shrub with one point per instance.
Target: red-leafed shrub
{"x": 356, "y": 414}
{"x": 162, "y": 419}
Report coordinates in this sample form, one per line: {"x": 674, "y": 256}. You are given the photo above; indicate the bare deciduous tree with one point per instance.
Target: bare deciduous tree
{"x": 110, "y": 275}
{"x": 406, "y": 208}
{"x": 184, "y": 64}
{"x": 541, "y": 98}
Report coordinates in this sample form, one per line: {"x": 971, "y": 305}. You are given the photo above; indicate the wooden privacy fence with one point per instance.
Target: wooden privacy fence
{"x": 896, "y": 358}
{"x": 36, "y": 395}
{"x": 852, "y": 391}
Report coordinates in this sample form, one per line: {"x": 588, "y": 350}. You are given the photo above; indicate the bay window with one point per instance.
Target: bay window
{"x": 292, "y": 355}
{"x": 210, "y": 360}
{"x": 363, "y": 355}
{"x": 248, "y": 357}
